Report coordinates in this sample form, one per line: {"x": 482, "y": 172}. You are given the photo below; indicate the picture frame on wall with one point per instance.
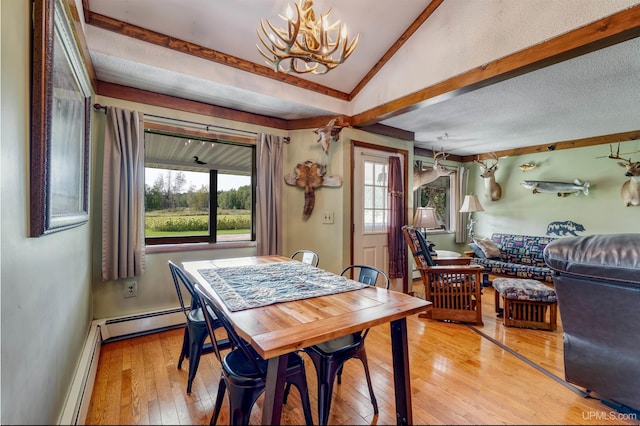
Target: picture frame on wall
{"x": 60, "y": 124}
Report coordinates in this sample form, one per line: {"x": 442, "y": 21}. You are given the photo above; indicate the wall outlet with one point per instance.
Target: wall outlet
{"x": 130, "y": 288}
{"x": 327, "y": 217}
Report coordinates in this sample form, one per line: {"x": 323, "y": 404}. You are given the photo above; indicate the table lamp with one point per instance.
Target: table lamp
{"x": 425, "y": 218}
{"x": 471, "y": 204}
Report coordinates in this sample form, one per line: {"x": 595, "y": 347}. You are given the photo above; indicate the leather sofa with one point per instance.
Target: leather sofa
{"x": 597, "y": 281}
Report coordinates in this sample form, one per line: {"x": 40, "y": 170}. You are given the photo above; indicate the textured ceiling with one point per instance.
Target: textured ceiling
{"x": 591, "y": 95}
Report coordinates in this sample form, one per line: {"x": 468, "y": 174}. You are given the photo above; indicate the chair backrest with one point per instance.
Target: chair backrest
{"x": 307, "y": 256}
{"x": 180, "y": 279}
{"x": 368, "y": 274}
{"x": 418, "y": 246}
{"x": 236, "y": 341}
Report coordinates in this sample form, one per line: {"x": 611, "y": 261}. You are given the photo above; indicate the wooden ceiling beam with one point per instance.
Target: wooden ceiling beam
{"x": 608, "y": 31}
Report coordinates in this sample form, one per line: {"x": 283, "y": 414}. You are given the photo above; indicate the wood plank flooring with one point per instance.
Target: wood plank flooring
{"x": 457, "y": 377}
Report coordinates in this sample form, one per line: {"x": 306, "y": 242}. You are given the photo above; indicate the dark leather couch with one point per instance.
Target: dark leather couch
{"x": 597, "y": 280}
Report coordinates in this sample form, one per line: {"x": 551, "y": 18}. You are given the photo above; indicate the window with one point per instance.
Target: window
{"x": 376, "y": 203}
{"x": 438, "y": 194}
{"x": 185, "y": 176}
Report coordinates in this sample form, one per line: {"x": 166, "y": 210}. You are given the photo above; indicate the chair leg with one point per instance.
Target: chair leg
{"x": 195, "y": 350}
{"x": 185, "y": 347}
{"x": 216, "y": 410}
{"x": 326, "y": 372}
{"x": 363, "y": 357}
{"x": 300, "y": 382}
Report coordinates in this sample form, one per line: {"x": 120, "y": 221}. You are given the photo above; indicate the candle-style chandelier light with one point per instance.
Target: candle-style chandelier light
{"x": 307, "y": 45}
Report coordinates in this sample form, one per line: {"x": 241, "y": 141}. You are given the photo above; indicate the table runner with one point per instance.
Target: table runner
{"x": 252, "y": 286}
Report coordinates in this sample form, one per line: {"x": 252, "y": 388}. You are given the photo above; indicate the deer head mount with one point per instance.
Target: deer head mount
{"x": 328, "y": 133}
{"x": 423, "y": 177}
{"x": 310, "y": 175}
{"x": 630, "y": 190}
{"x": 493, "y": 191}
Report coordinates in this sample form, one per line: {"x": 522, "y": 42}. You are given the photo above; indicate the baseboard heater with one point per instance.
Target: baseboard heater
{"x": 103, "y": 331}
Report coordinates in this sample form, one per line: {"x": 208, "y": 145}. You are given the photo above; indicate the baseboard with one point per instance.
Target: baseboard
{"x": 102, "y": 331}
{"x": 77, "y": 404}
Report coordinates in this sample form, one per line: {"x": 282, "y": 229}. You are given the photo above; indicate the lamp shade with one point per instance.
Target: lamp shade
{"x": 471, "y": 204}
{"x": 425, "y": 217}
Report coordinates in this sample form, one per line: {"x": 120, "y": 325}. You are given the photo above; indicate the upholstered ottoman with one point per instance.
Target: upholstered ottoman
{"x": 526, "y": 303}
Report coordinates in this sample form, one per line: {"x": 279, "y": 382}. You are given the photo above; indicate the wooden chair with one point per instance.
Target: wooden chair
{"x": 454, "y": 289}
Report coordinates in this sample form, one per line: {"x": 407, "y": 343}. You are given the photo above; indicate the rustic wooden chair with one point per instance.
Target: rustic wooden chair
{"x": 454, "y": 290}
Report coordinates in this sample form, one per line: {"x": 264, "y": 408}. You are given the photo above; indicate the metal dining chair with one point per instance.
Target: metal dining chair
{"x": 307, "y": 256}
{"x": 244, "y": 371}
{"x": 195, "y": 332}
{"x": 329, "y": 357}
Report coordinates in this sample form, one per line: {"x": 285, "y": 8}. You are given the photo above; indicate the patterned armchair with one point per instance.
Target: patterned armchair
{"x": 454, "y": 290}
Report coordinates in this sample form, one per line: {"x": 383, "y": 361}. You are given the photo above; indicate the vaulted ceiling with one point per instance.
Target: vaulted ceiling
{"x": 581, "y": 85}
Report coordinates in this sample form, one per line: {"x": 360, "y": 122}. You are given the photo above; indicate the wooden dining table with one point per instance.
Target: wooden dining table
{"x": 278, "y": 329}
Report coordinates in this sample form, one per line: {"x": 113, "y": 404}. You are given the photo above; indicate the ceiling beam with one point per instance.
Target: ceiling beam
{"x": 182, "y": 46}
{"x": 606, "y": 32}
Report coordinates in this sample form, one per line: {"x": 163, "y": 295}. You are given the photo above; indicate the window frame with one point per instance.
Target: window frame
{"x": 217, "y": 138}
{"x": 451, "y": 219}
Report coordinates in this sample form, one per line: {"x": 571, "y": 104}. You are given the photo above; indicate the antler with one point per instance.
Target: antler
{"x": 437, "y": 155}
{"x": 484, "y": 164}
{"x": 617, "y": 155}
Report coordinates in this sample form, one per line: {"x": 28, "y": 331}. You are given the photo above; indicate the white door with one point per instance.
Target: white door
{"x": 370, "y": 207}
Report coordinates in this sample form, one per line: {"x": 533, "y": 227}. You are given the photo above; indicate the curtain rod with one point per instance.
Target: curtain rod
{"x": 207, "y": 126}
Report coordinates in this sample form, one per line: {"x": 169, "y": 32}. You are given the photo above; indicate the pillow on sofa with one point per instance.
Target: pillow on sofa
{"x": 488, "y": 247}
{"x": 477, "y": 251}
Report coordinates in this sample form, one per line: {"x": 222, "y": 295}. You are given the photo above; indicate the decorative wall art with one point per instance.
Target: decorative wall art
{"x": 567, "y": 227}
{"x": 561, "y": 189}
{"x": 60, "y": 111}
{"x": 527, "y": 166}
{"x": 630, "y": 191}
{"x": 310, "y": 175}
{"x": 327, "y": 134}
{"x": 493, "y": 190}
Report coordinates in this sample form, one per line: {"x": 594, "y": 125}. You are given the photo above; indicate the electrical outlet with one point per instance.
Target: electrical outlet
{"x": 327, "y": 217}
{"x": 130, "y": 288}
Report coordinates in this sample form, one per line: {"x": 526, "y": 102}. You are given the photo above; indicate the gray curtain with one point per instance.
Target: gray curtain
{"x": 123, "y": 195}
{"x": 269, "y": 195}
{"x": 397, "y": 219}
{"x": 462, "y": 175}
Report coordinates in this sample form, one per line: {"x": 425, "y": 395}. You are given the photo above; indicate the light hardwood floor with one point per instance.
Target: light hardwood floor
{"x": 457, "y": 377}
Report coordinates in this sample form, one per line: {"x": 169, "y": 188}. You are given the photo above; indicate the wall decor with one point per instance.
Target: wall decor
{"x": 310, "y": 175}
{"x": 327, "y": 134}
{"x": 562, "y": 189}
{"x": 60, "y": 111}
{"x": 527, "y": 166}
{"x": 424, "y": 176}
{"x": 566, "y": 227}
{"x": 630, "y": 190}
{"x": 493, "y": 189}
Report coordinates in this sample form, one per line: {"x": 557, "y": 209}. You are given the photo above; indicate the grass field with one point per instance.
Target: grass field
{"x": 176, "y": 223}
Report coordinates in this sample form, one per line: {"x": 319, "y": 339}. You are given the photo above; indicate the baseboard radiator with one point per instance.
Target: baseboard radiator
{"x": 103, "y": 331}
{"x": 75, "y": 410}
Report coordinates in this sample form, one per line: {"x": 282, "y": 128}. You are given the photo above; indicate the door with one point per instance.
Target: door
{"x": 371, "y": 208}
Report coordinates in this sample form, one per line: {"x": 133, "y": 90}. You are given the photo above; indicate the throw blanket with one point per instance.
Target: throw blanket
{"x": 252, "y": 286}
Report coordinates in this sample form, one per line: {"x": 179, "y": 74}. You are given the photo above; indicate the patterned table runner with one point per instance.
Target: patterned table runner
{"x": 252, "y": 286}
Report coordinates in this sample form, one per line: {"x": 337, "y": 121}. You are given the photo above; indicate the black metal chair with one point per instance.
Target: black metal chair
{"x": 307, "y": 256}
{"x": 329, "y": 357}
{"x": 195, "y": 332}
{"x": 244, "y": 372}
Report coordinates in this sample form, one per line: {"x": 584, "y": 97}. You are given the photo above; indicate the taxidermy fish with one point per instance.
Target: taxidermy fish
{"x": 561, "y": 188}
{"x": 527, "y": 166}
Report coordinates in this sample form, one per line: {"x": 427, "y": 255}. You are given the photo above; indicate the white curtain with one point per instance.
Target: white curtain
{"x": 123, "y": 195}
{"x": 460, "y": 191}
{"x": 269, "y": 195}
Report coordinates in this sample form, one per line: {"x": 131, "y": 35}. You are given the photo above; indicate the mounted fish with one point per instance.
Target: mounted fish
{"x": 562, "y": 189}
{"x": 527, "y": 166}
{"x": 327, "y": 134}
{"x": 310, "y": 175}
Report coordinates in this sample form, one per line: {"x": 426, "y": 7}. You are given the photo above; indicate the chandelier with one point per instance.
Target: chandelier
{"x": 307, "y": 45}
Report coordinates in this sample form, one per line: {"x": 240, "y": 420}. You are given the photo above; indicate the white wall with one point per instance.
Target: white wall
{"x": 46, "y": 282}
